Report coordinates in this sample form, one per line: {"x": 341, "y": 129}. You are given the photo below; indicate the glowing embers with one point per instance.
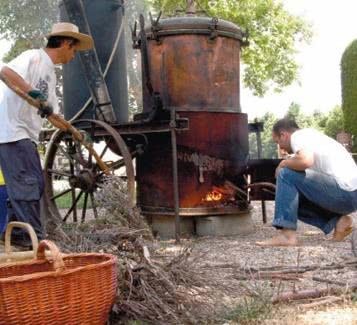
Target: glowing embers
{"x": 213, "y": 196}
{"x": 219, "y": 196}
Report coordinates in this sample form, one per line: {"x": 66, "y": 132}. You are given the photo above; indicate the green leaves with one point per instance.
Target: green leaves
{"x": 274, "y": 36}
{"x": 349, "y": 87}
{"x": 26, "y": 21}
{"x": 329, "y": 123}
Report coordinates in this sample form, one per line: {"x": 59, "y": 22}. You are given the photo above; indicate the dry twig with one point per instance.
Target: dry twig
{"x": 149, "y": 290}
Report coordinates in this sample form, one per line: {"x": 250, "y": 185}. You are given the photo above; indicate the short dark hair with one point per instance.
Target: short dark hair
{"x": 56, "y": 41}
{"x": 285, "y": 124}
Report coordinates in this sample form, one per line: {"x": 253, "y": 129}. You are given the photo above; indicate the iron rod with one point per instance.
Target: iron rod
{"x": 175, "y": 176}
{"x": 259, "y": 149}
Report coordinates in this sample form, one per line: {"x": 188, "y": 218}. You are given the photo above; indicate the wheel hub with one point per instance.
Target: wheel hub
{"x": 85, "y": 180}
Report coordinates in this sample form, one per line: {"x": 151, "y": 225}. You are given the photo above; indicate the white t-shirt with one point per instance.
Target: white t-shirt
{"x": 330, "y": 157}
{"x": 18, "y": 119}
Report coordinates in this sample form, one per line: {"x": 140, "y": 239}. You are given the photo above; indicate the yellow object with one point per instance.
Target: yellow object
{"x": 2, "y": 181}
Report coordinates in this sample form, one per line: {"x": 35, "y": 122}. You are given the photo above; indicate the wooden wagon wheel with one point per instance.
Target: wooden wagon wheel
{"x": 72, "y": 175}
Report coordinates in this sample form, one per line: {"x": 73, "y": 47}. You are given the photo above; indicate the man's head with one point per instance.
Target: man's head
{"x": 64, "y": 40}
{"x": 282, "y": 131}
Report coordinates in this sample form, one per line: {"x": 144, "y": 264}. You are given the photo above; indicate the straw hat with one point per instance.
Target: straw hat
{"x": 71, "y": 30}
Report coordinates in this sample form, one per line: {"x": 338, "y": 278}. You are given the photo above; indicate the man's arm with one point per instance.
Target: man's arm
{"x": 15, "y": 79}
{"x": 302, "y": 160}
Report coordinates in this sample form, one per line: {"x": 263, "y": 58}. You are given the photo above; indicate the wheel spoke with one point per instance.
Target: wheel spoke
{"x": 73, "y": 206}
{"x": 92, "y": 134}
{"x": 73, "y": 194}
{"x": 84, "y": 207}
{"x": 79, "y": 156}
{"x": 60, "y": 194}
{"x": 80, "y": 173}
{"x": 104, "y": 151}
{"x": 59, "y": 172}
{"x": 65, "y": 153}
{"x": 93, "y": 205}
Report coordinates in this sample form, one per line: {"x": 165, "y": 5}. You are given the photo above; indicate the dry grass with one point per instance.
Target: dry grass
{"x": 150, "y": 290}
{"x": 213, "y": 280}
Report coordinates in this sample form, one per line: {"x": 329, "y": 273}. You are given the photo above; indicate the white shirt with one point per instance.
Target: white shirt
{"x": 18, "y": 119}
{"x": 330, "y": 157}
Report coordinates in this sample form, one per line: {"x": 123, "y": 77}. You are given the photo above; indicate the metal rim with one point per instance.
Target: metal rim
{"x": 79, "y": 172}
{"x": 195, "y": 25}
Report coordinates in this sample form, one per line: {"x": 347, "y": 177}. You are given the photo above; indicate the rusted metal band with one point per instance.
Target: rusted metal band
{"x": 190, "y": 212}
{"x": 206, "y": 109}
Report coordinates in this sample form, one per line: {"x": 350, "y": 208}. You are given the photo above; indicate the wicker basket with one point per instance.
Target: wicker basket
{"x": 10, "y": 255}
{"x": 74, "y": 289}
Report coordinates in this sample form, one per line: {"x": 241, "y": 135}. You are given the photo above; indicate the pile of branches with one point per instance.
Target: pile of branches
{"x": 150, "y": 289}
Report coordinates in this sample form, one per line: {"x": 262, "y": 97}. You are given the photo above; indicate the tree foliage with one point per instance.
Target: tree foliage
{"x": 274, "y": 36}
{"x": 334, "y": 122}
{"x": 329, "y": 123}
{"x": 349, "y": 89}
{"x": 269, "y": 147}
{"x": 26, "y": 22}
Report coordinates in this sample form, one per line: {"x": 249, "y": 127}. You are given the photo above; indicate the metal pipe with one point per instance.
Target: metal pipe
{"x": 175, "y": 176}
{"x": 259, "y": 149}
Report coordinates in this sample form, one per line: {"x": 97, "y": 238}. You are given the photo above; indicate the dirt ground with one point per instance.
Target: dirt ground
{"x": 231, "y": 263}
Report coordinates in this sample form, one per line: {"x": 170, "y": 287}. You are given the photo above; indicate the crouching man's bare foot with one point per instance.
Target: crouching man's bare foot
{"x": 286, "y": 237}
{"x": 343, "y": 228}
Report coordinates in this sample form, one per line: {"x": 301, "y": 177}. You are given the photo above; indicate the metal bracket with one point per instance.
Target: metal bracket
{"x": 245, "y": 36}
{"x": 155, "y": 27}
{"x": 213, "y": 28}
{"x": 134, "y": 36}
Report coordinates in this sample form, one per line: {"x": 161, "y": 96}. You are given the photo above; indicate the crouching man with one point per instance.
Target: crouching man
{"x": 317, "y": 184}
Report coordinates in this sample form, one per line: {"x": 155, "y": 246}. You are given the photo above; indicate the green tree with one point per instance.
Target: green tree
{"x": 334, "y": 122}
{"x": 269, "y": 147}
{"x": 274, "y": 35}
{"x": 319, "y": 120}
{"x": 303, "y": 121}
{"x": 349, "y": 89}
{"x": 26, "y": 22}
{"x": 329, "y": 123}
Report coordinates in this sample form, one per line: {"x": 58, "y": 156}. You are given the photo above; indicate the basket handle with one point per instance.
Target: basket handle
{"x": 58, "y": 264}
{"x": 23, "y": 225}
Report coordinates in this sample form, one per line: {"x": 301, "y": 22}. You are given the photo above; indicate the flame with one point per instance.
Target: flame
{"x": 213, "y": 196}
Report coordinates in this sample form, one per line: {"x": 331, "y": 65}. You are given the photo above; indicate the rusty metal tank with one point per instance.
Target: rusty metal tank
{"x": 194, "y": 64}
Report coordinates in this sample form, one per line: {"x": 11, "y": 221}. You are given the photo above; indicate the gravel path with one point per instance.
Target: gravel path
{"x": 226, "y": 257}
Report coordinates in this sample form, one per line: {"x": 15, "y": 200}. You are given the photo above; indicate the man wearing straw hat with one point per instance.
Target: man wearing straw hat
{"x": 33, "y": 72}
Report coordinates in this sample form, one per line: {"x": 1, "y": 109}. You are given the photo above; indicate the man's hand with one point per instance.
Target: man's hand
{"x": 37, "y": 94}
{"x": 45, "y": 110}
{"x": 300, "y": 161}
